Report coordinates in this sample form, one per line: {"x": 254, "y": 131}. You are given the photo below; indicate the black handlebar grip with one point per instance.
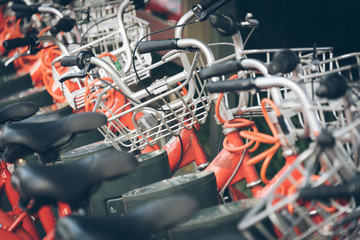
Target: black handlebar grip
{"x": 20, "y": 15}
{"x": 63, "y": 2}
{"x": 284, "y": 61}
{"x": 325, "y": 192}
{"x": 325, "y": 139}
{"x": 19, "y": 42}
{"x": 332, "y": 86}
{"x": 65, "y": 24}
{"x": 157, "y": 45}
{"x": 68, "y": 61}
{"x": 232, "y": 66}
{"x": 224, "y": 24}
{"x": 30, "y": 9}
{"x": 231, "y": 85}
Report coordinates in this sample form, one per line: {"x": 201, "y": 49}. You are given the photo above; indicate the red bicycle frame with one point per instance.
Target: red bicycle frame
{"x": 17, "y": 224}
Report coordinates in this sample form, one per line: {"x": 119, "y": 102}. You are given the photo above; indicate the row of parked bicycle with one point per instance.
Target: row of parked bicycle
{"x": 81, "y": 67}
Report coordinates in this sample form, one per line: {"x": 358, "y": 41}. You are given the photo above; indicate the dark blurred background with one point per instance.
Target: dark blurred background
{"x": 294, "y": 23}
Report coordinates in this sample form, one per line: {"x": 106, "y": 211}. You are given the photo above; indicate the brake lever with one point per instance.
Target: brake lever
{"x": 31, "y": 51}
{"x": 249, "y": 22}
{"x": 68, "y": 76}
{"x": 83, "y": 63}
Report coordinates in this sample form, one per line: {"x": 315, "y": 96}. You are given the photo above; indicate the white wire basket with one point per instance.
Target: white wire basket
{"x": 113, "y": 27}
{"x": 106, "y": 28}
{"x": 306, "y": 55}
{"x": 312, "y": 69}
{"x": 162, "y": 109}
{"x": 281, "y": 214}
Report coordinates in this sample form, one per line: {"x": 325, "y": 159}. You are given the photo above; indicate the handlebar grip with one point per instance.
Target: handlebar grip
{"x": 332, "y": 86}
{"x": 30, "y": 9}
{"x": 157, "y": 45}
{"x": 220, "y": 69}
{"x": 326, "y": 192}
{"x": 20, "y": 15}
{"x": 231, "y": 85}
{"x": 224, "y": 24}
{"x": 19, "y": 42}
{"x": 68, "y": 61}
{"x": 65, "y": 24}
{"x": 284, "y": 61}
{"x": 63, "y": 2}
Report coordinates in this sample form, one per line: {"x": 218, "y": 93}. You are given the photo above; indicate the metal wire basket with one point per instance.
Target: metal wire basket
{"x": 106, "y": 28}
{"x": 160, "y": 109}
{"x": 306, "y": 56}
{"x": 331, "y": 111}
{"x": 313, "y": 67}
{"x": 281, "y": 214}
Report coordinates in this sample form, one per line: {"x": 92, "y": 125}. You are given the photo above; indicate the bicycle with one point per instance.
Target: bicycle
{"x": 284, "y": 185}
{"x": 47, "y": 153}
{"x": 54, "y": 188}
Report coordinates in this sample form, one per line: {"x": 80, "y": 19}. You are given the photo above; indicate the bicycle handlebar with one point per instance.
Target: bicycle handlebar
{"x": 157, "y": 45}
{"x": 189, "y": 43}
{"x": 65, "y": 24}
{"x": 221, "y": 69}
{"x": 63, "y": 2}
{"x": 29, "y": 9}
{"x": 270, "y": 82}
{"x": 325, "y": 192}
{"x": 284, "y": 61}
{"x": 68, "y": 61}
{"x": 224, "y": 24}
{"x": 19, "y": 42}
{"x": 233, "y": 85}
{"x": 115, "y": 76}
{"x": 332, "y": 86}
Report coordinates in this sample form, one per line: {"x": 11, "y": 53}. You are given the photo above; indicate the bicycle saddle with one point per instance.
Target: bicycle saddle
{"x": 24, "y": 138}
{"x": 153, "y": 216}
{"x": 17, "y": 111}
{"x": 71, "y": 182}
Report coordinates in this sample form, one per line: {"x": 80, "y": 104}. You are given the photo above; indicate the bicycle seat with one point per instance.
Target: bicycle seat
{"x": 153, "y": 216}
{"x": 24, "y": 138}
{"x": 71, "y": 182}
{"x": 17, "y": 111}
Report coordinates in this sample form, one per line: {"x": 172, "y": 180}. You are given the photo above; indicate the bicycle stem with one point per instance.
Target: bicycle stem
{"x": 125, "y": 39}
{"x": 54, "y": 11}
{"x": 184, "y": 19}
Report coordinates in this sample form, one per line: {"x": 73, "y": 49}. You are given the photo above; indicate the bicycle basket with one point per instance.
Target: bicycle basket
{"x": 163, "y": 108}
{"x": 107, "y": 29}
{"x": 281, "y": 214}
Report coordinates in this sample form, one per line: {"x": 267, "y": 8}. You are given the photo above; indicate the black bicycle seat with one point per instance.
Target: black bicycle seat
{"x": 17, "y": 111}
{"x": 27, "y": 137}
{"x": 71, "y": 182}
{"x": 153, "y": 216}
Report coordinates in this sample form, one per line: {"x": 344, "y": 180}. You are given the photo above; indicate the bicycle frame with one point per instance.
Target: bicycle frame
{"x": 17, "y": 223}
